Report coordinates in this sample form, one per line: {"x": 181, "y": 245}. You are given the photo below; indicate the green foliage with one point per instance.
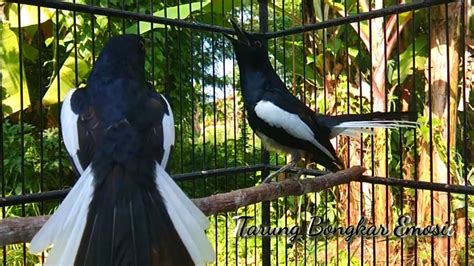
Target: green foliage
{"x": 417, "y": 52}
{"x": 67, "y": 73}
{"x": 34, "y": 158}
{"x": 28, "y": 15}
{"x": 182, "y": 11}
{"x": 14, "y": 89}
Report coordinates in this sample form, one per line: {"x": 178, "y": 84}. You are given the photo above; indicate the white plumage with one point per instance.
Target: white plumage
{"x": 291, "y": 123}
{"x": 69, "y": 130}
{"x": 65, "y": 227}
{"x": 168, "y": 134}
{"x": 188, "y": 220}
{"x": 355, "y": 128}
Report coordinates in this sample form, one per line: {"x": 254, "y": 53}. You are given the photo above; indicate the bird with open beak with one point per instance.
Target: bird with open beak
{"x": 283, "y": 122}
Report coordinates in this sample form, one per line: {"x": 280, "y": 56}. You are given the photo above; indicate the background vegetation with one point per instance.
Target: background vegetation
{"x": 395, "y": 63}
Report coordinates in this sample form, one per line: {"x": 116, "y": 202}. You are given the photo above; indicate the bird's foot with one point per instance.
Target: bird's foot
{"x": 277, "y": 172}
{"x": 297, "y": 175}
{"x": 300, "y": 172}
{"x": 268, "y": 179}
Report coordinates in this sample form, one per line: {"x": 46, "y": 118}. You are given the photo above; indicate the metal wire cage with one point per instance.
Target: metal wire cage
{"x": 338, "y": 56}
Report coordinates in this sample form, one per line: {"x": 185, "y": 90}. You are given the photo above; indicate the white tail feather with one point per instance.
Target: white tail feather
{"x": 188, "y": 220}
{"x": 355, "y": 128}
{"x": 184, "y": 201}
{"x": 65, "y": 227}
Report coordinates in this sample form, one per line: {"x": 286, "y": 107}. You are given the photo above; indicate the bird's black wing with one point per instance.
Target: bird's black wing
{"x": 81, "y": 129}
{"x": 281, "y": 110}
{"x": 161, "y": 135}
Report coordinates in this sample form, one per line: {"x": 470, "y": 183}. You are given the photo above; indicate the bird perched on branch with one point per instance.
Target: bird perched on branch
{"x": 283, "y": 122}
{"x": 124, "y": 209}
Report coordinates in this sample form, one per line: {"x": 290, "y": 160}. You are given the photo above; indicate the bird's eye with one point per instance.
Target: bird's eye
{"x": 258, "y": 44}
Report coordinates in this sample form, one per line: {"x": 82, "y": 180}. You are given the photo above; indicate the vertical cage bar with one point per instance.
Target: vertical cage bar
{"x": 387, "y": 205}
{"x": 234, "y": 110}
{"x": 430, "y": 119}
{"x": 448, "y": 125}
{"x": 372, "y": 139}
{"x": 464, "y": 128}
{"x": 414, "y": 99}
{"x": 400, "y": 140}
{"x": 266, "y": 251}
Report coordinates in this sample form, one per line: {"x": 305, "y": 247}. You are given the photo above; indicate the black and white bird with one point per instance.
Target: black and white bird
{"x": 124, "y": 209}
{"x": 283, "y": 122}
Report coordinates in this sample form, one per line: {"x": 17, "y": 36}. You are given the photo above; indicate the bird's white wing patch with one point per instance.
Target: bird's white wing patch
{"x": 65, "y": 227}
{"x": 69, "y": 130}
{"x": 168, "y": 134}
{"x": 188, "y": 220}
{"x": 291, "y": 123}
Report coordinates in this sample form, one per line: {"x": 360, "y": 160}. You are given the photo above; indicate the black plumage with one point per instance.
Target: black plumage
{"x": 286, "y": 124}
{"x": 119, "y": 133}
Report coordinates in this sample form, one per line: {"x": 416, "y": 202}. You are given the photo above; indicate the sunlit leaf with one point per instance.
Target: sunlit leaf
{"x": 28, "y": 15}
{"x": 320, "y": 62}
{"x": 10, "y": 83}
{"x": 353, "y": 51}
{"x": 183, "y": 11}
{"x": 67, "y": 80}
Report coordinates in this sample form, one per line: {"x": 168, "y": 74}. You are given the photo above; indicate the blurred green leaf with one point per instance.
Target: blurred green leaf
{"x": 406, "y": 60}
{"x": 29, "y": 52}
{"x": 334, "y": 46}
{"x": 220, "y": 6}
{"x": 67, "y": 80}
{"x": 10, "y": 73}
{"x": 300, "y": 68}
{"x": 458, "y": 202}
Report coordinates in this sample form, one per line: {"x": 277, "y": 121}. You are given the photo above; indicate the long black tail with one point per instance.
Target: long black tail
{"x": 128, "y": 224}
{"x": 354, "y": 124}
{"x": 376, "y": 116}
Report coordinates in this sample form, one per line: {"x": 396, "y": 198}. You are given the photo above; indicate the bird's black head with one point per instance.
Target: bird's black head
{"x": 122, "y": 56}
{"x": 250, "y": 49}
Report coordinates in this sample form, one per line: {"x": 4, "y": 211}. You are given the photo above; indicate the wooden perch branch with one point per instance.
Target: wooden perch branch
{"x": 233, "y": 200}
{"x": 22, "y": 229}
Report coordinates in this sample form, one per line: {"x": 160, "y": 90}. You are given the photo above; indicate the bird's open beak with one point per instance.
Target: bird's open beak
{"x": 241, "y": 35}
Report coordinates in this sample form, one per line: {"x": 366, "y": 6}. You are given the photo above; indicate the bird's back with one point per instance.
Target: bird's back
{"x": 124, "y": 209}
{"x": 125, "y": 126}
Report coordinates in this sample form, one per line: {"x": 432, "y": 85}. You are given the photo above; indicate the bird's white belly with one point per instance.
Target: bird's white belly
{"x": 272, "y": 145}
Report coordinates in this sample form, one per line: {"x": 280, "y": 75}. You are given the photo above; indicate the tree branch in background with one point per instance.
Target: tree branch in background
{"x": 22, "y": 229}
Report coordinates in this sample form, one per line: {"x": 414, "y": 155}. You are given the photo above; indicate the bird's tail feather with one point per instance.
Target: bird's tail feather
{"x": 65, "y": 227}
{"x": 181, "y": 209}
{"x": 375, "y": 116}
{"x": 126, "y": 222}
{"x": 354, "y": 125}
